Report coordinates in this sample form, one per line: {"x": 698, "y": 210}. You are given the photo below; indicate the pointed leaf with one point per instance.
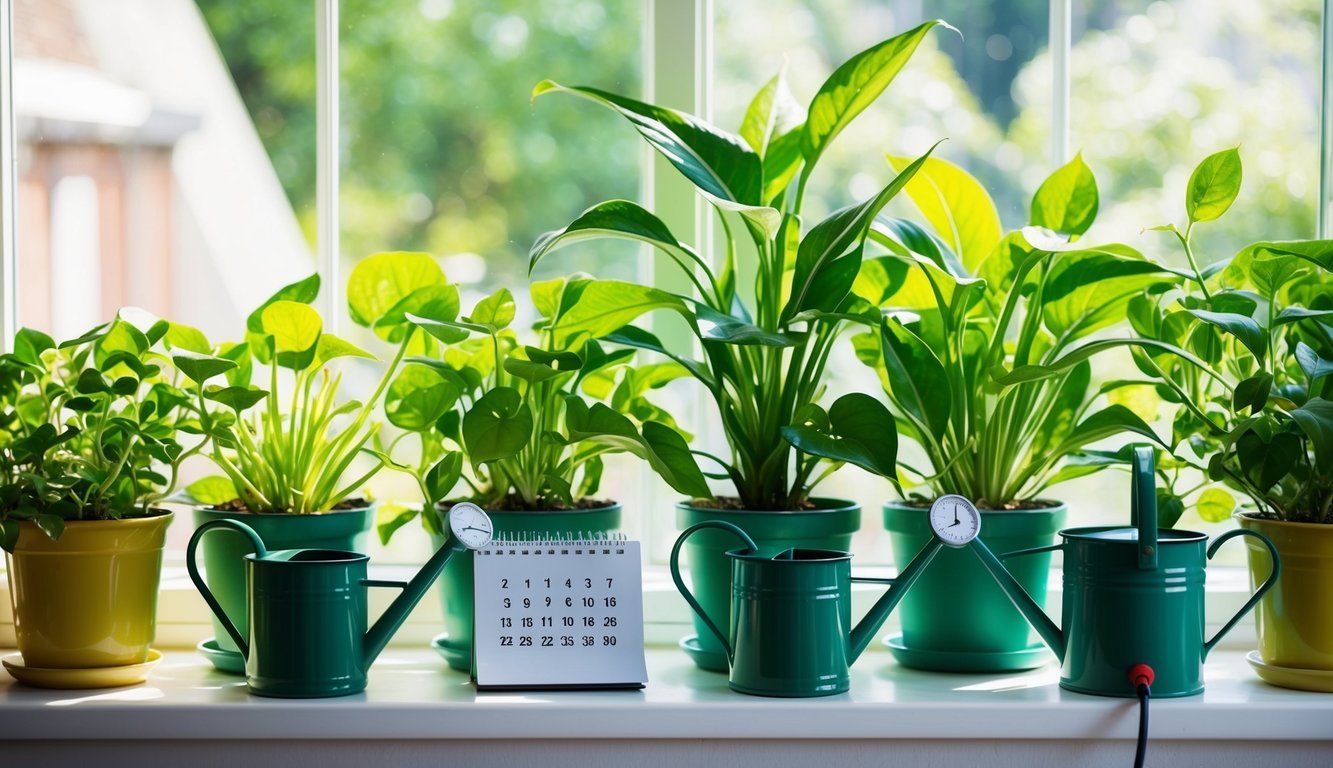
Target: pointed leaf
{"x": 715, "y": 326}
{"x": 616, "y": 219}
{"x": 608, "y": 305}
{"x": 917, "y": 380}
{"x": 497, "y": 426}
{"x": 236, "y": 398}
{"x": 1215, "y": 505}
{"x": 1244, "y": 328}
{"x": 1314, "y": 366}
{"x": 379, "y": 281}
{"x": 331, "y": 347}
{"x": 957, "y": 207}
{"x": 860, "y": 431}
{"x": 496, "y": 310}
{"x": 1213, "y": 186}
{"x": 1110, "y": 421}
{"x": 212, "y": 490}
{"x": 443, "y": 476}
{"x": 1067, "y": 201}
{"x": 200, "y": 367}
{"x": 418, "y": 396}
{"x": 1316, "y": 421}
{"x": 303, "y": 291}
{"x": 662, "y": 447}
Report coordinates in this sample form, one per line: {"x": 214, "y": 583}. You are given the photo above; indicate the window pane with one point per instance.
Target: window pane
{"x": 142, "y": 180}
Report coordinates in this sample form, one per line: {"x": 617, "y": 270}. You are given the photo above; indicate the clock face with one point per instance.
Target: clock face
{"x": 471, "y": 525}
{"x": 955, "y": 520}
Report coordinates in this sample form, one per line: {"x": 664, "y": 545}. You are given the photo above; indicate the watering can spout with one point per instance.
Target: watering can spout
{"x": 1048, "y": 630}
{"x": 393, "y": 617}
{"x": 865, "y": 631}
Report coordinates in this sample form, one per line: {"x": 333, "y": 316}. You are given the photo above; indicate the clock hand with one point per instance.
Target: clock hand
{"x": 955, "y": 522}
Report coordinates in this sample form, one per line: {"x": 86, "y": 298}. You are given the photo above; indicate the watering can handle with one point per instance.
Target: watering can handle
{"x": 1258, "y": 593}
{"x": 193, "y": 568}
{"x": 680, "y": 583}
{"x": 1143, "y": 506}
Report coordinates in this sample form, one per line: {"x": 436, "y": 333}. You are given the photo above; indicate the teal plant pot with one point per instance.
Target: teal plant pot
{"x": 829, "y": 526}
{"x": 956, "y": 618}
{"x": 224, "y": 561}
{"x": 456, "y": 583}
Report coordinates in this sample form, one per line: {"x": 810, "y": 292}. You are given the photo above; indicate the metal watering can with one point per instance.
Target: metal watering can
{"x": 790, "y": 632}
{"x": 308, "y": 633}
{"x": 1132, "y": 597}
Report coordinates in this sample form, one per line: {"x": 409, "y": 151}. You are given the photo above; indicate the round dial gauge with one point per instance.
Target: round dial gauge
{"x": 471, "y": 525}
{"x": 955, "y": 520}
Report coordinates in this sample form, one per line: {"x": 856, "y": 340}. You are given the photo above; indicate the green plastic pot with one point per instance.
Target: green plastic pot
{"x": 829, "y": 526}
{"x": 224, "y": 563}
{"x": 456, "y": 584}
{"x": 957, "y": 618}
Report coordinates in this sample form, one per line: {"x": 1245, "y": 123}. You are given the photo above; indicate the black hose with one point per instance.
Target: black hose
{"x": 1142, "y": 748}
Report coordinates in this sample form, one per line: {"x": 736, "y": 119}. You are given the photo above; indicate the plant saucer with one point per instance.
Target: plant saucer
{"x": 457, "y": 655}
{"x": 1290, "y": 677}
{"x": 82, "y": 677}
{"x": 706, "y": 659}
{"x": 934, "y": 660}
{"x": 225, "y": 660}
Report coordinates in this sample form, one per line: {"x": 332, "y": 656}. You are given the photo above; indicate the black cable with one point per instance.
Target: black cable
{"x": 1142, "y": 748}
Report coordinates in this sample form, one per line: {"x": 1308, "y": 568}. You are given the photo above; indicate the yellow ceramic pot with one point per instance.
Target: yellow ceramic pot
{"x": 1295, "y": 619}
{"x": 88, "y": 599}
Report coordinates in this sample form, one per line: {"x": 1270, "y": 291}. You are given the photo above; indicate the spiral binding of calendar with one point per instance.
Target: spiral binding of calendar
{"x": 562, "y": 542}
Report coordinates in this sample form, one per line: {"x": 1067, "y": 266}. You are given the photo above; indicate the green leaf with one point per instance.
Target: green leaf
{"x": 303, "y": 291}
{"x": 380, "y": 281}
{"x": 1252, "y": 393}
{"x": 715, "y": 326}
{"x": 1316, "y": 421}
{"x": 829, "y": 256}
{"x": 1213, "y": 186}
{"x": 331, "y": 347}
{"x": 641, "y": 339}
{"x": 51, "y": 525}
{"x": 1169, "y": 508}
{"x": 532, "y": 371}
{"x": 29, "y": 344}
{"x": 443, "y": 476}
{"x": 781, "y": 162}
{"x": 1297, "y": 314}
{"x": 390, "y": 517}
{"x": 1110, "y": 421}
{"x": 295, "y": 328}
{"x": 201, "y": 367}
{"x": 717, "y": 162}
{"x": 1089, "y": 290}
{"x": 1314, "y": 366}
{"x": 662, "y": 447}
{"x": 1244, "y": 328}
{"x": 495, "y": 311}
{"x": 772, "y": 112}
{"x": 188, "y": 338}
{"x": 9, "y": 534}
{"x": 854, "y": 86}
{"x": 91, "y": 382}
{"x": 212, "y": 490}
{"x": 418, "y": 396}
{"x": 860, "y": 431}
{"x": 917, "y": 380}
{"x": 434, "y": 302}
{"x": 1265, "y": 462}
{"x": 1215, "y": 505}
{"x": 608, "y": 305}
{"x": 957, "y": 207}
{"x": 497, "y": 426}
{"x": 236, "y": 398}
{"x": 1067, "y": 201}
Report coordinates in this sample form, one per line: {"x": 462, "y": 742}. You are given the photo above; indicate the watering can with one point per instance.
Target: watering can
{"x": 308, "y": 633}
{"x": 790, "y": 632}
{"x": 1132, "y": 596}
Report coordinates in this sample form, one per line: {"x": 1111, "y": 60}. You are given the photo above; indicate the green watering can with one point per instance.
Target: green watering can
{"x": 790, "y": 631}
{"x": 308, "y": 633}
{"x": 1132, "y": 597}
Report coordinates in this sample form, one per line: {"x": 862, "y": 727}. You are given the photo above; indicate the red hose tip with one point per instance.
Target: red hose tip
{"x": 1141, "y": 674}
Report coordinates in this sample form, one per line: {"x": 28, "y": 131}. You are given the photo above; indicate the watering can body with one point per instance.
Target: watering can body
{"x": 790, "y": 630}
{"x": 1131, "y": 596}
{"x": 309, "y": 634}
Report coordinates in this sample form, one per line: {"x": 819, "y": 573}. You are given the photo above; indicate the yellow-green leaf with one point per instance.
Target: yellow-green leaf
{"x": 1215, "y": 505}
{"x": 956, "y": 206}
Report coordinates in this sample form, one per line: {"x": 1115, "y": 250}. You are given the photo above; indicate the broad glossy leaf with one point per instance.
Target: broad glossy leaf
{"x": 1252, "y": 393}
{"x": 1170, "y": 508}
{"x": 295, "y": 329}
{"x": 1067, "y": 201}
{"x": 188, "y": 338}
{"x": 496, "y": 310}
{"x": 717, "y": 162}
{"x": 303, "y": 291}
{"x": 236, "y": 398}
{"x": 1265, "y": 462}
{"x": 443, "y": 476}
{"x": 1069, "y": 399}
{"x": 773, "y": 112}
{"x": 418, "y": 396}
{"x": 390, "y": 517}
{"x": 1086, "y": 291}
{"x": 533, "y": 372}
{"x": 829, "y": 256}
{"x": 51, "y": 525}
{"x": 957, "y": 207}
{"x": 212, "y": 490}
{"x": 497, "y": 426}
{"x": 29, "y": 344}
{"x": 380, "y": 281}
{"x": 1215, "y": 505}
{"x": 854, "y": 86}
{"x": 917, "y": 380}
{"x": 1110, "y": 421}
{"x": 616, "y": 219}
{"x": 434, "y": 302}
{"x": 664, "y": 450}
{"x": 201, "y": 367}
{"x": 608, "y": 305}
{"x": 331, "y": 347}
{"x": 641, "y": 339}
{"x": 1296, "y": 314}
{"x": 860, "y": 431}
{"x": 1213, "y": 186}
{"x": 1244, "y": 328}
{"x": 1314, "y": 366}
{"x": 781, "y": 162}
{"x": 715, "y": 326}
{"x": 1316, "y": 421}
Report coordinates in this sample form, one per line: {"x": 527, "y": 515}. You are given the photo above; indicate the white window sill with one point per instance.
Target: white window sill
{"x": 430, "y": 712}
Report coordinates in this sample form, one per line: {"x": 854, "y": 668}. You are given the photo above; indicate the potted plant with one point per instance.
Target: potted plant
{"x": 525, "y": 427}
{"x": 969, "y": 313}
{"x": 289, "y": 453}
{"x": 1244, "y": 350}
{"x": 763, "y": 352}
{"x": 88, "y": 449}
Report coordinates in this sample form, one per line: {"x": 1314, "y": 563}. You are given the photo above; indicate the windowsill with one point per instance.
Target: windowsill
{"x": 413, "y": 696}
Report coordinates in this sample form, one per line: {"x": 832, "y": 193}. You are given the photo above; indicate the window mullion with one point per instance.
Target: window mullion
{"x": 1325, "y": 123}
{"x": 1060, "y": 45}
{"x": 8, "y": 182}
{"x": 327, "y": 162}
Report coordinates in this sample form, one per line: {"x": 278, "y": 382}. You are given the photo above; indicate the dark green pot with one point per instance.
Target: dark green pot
{"x": 455, "y": 645}
{"x": 224, "y": 564}
{"x": 830, "y": 526}
{"x": 956, "y": 618}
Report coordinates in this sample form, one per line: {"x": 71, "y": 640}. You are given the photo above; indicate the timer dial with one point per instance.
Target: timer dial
{"x": 954, "y": 520}
{"x": 470, "y": 525}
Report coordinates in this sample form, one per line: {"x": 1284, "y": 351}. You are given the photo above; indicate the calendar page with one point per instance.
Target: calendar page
{"x": 559, "y": 614}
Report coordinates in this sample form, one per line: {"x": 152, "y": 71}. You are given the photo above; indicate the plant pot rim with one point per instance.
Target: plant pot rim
{"x": 1251, "y": 517}
{"x": 155, "y": 514}
{"x": 1048, "y": 505}
{"x": 212, "y": 510}
{"x": 615, "y": 505}
{"x": 823, "y": 505}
